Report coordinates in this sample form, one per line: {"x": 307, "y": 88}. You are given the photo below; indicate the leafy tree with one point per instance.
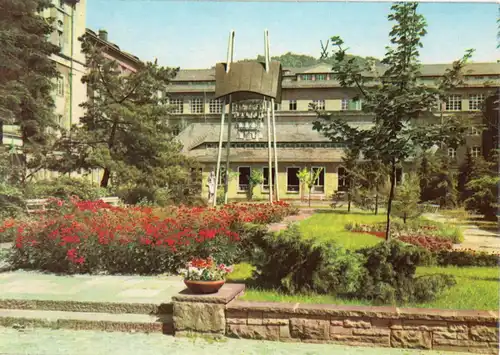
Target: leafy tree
{"x": 372, "y": 176}
{"x": 27, "y": 79}
{"x": 256, "y": 178}
{"x": 307, "y": 179}
{"x": 401, "y": 106}
{"x": 444, "y": 184}
{"x": 483, "y": 187}
{"x": 125, "y": 130}
{"x": 427, "y": 168}
{"x": 407, "y": 198}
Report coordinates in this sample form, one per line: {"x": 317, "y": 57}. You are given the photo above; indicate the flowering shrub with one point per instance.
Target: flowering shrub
{"x": 205, "y": 270}
{"x": 92, "y": 236}
{"x": 427, "y": 242}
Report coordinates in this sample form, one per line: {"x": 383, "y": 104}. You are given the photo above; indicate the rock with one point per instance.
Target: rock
{"x": 413, "y": 339}
{"x": 199, "y": 317}
{"x": 310, "y": 329}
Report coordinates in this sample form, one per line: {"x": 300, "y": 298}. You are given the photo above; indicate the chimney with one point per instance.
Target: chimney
{"x": 103, "y": 34}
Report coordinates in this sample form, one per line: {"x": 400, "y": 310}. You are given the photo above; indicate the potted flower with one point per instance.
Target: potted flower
{"x": 205, "y": 275}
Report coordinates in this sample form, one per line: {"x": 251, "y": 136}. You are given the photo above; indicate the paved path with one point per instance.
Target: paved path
{"x": 85, "y": 288}
{"x": 304, "y": 213}
{"x": 55, "y": 342}
{"x": 474, "y": 237}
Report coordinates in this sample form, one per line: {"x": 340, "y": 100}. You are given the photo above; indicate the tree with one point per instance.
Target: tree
{"x": 401, "y": 106}
{"x": 427, "y": 168}
{"x": 407, "y": 198}
{"x": 27, "y": 79}
{"x": 125, "y": 131}
{"x": 256, "y": 178}
{"x": 372, "y": 176}
{"x": 308, "y": 178}
{"x": 483, "y": 187}
{"x": 444, "y": 184}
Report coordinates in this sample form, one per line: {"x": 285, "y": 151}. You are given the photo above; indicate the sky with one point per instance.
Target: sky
{"x": 194, "y": 34}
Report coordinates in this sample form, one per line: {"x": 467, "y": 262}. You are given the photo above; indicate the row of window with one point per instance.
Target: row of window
{"x": 292, "y": 180}
{"x": 256, "y": 145}
{"x": 197, "y": 105}
{"x": 474, "y": 151}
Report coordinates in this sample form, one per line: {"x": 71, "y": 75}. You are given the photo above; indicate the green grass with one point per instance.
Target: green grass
{"x": 330, "y": 225}
{"x": 477, "y": 288}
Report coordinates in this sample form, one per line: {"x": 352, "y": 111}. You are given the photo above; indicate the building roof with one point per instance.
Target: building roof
{"x": 195, "y": 134}
{"x": 431, "y": 70}
{"x": 113, "y": 47}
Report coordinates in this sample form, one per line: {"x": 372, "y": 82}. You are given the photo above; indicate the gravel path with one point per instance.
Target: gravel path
{"x": 67, "y": 342}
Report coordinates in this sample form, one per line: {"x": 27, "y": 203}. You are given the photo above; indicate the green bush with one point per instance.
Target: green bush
{"x": 291, "y": 264}
{"x": 65, "y": 187}
{"x": 390, "y": 274}
{"x": 467, "y": 258}
{"x": 12, "y": 204}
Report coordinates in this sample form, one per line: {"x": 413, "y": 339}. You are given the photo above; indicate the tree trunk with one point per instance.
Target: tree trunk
{"x": 111, "y": 141}
{"x": 349, "y": 202}
{"x": 105, "y": 177}
{"x": 376, "y": 201}
{"x": 389, "y": 202}
{"x": 404, "y": 218}
{"x": 310, "y": 196}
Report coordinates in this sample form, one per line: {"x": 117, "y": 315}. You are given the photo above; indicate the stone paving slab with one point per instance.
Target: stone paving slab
{"x": 55, "y": 342}
{"x": 22, "y": 285}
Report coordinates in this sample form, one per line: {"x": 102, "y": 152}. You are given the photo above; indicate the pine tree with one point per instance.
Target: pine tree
{"x": 27, "y": 75}
{"x": 444, "y": 184}
{"x": 125, "y": 131}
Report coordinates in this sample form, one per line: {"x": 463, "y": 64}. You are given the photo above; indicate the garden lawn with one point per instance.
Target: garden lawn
{"x": 477, "y": 288}
{"x": 330, "y": 225}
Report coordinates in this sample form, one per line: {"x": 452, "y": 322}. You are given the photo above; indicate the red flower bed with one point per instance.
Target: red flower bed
{"x": 92, "y": 236}
{"x": 427, "y": 242}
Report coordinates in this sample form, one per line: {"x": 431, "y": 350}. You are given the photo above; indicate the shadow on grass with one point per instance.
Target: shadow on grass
{"x": 495, "y": 279}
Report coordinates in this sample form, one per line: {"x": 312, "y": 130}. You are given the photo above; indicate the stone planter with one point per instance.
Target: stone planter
{"x": 204, "y": 287}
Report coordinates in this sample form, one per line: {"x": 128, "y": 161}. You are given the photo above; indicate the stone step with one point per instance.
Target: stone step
{"x": 82, "y": 306}
{"x": 140, "y": 323}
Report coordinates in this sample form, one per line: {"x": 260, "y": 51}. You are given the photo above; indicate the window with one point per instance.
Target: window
{"x": 60, "y": 86}
{"x": 243, "y": 178}
{"x": 320, "y": 76}
{"x": 320, "y": 104}
{"x": 60, "y": 40}
{"x": 215, "y": 106}
{"x": 319, "y": 183}
{"x": 452, "y": 153}
{"x": 307, "y": 77}
{"x": 277, "y": 106}
{"x": 344, "y": 105}
{"x": 265, "y": 172}
{"x": 475, "y": 151}
{"x": 293, "y": 105}
{"x": 399, "y": 175}
{"x": 292, "y": 181}
{"x": 197, "y": 105}
{"x": 454, "y": 103}
{"x": 177, "y": 105}
{"x": 474, "y": 131}
{"x": 343, "y": 181}
{"x": 476, "y": 102}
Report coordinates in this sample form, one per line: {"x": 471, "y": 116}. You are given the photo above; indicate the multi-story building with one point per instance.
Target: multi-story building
{"x": 198, "y": 113}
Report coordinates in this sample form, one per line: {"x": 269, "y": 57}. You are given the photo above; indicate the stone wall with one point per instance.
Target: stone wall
{"x": 466, "y": 331}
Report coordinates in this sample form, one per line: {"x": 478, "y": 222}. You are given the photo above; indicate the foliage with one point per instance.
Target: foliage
{"x": 27, "y": 82}
{"x": 413, "y": 228}
{"x": 308, "y": 178}
{"x": 92, "y": 237}
{"x": 205, "y": 270}
{"x": 390, "y": 275}
{"x": 463, "y": 258}
{"x": 256, "y": 178}
{"x": 407, "y": 198}
{"x": 427, "y": 242}
{"x": 65, "y": 187}
{"x": 292, "y": 264}
{"x": 125, "y": 131}
{"x": 11, "y": 201}
{"x": 372, "y": 180}
{"x": 483, "y": 188}
{"x": 402, "y": 107}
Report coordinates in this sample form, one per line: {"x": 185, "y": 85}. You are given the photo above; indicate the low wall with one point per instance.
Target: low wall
{"x": 466, "y": 331}
{"x": 411, "y": 328}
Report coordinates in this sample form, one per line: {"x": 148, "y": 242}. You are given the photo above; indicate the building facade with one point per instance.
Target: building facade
{"x": 197, "y": 114}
